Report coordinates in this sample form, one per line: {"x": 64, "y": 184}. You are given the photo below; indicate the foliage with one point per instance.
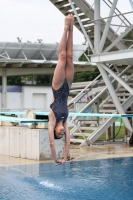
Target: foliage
{"x": 44, "y": 79}
{"x": 89, "y": 75}
{"x": 28, "y": 41}
{"x": 83, "y": 57}
{"x": 39, "y": 40}
{"x": 19, "y": 39}
{"x": 86, "y": 76}
{"x": 129, "y": 38}
{"x": 13, "y": 80}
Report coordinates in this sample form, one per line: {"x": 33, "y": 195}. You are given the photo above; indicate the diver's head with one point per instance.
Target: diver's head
{"x": 59, "y": 130}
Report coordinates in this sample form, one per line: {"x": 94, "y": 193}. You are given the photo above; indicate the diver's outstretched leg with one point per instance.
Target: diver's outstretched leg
{"x": 69, "y": 71}
{"x": 59, "y": 73}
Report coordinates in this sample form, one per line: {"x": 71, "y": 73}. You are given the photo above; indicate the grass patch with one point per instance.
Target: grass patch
{"x": 119, "y": 133}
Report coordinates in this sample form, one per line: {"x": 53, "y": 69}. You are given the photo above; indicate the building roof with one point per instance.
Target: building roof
{"x": 34, "y": 52}
{"x": 35, "y": 58}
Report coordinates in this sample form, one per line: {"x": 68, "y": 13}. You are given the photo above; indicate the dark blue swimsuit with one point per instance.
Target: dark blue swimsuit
{"x": 59, "y": 106}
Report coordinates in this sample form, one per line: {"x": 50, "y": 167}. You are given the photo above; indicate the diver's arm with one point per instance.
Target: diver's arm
{"x": 51, "y": 140}
{"x": 67, "y": 142}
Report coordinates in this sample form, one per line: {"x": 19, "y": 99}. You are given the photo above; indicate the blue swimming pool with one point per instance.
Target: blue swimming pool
{"x": 106, "y": 179}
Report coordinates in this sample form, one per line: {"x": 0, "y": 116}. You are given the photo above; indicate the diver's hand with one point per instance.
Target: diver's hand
{"x": 63, "y": 161}
{"x": 58, "y": 162}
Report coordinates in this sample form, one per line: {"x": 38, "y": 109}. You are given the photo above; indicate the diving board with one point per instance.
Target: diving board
{"x": 29, "y": 120}
{"x": 100, "y": 115}
{"x": 21, "y": 120}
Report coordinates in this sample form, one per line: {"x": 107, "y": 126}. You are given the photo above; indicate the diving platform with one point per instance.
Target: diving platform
{"x": 23, "y": 142}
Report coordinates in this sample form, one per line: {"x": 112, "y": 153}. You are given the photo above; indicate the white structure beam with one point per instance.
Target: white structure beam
{"x": 124, "y": 57}
{"x": 82, "y": 27}
{"x": 17, "y": 64}
{"x": 131, "y": 2}
{"x": 118, "y": 39}
{"x": 102, "y": 70}
{"x": 106, "y": 29}
{"x": 4, "y": 86}
{"x": 47, "y": 68}
{"x": 100, "y": 66}
{"x": 85, "y": 7}
{"x": 120, "y": 80}
{"x": 113, "y": 94}
{"x": 97, "y": 26}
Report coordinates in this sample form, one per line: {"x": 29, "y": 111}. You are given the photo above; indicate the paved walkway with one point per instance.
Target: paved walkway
{"x": 101, "y": 151}
{"x": 84, "y": 153}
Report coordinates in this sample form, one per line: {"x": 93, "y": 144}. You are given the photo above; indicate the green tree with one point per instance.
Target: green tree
{"x": 39, "y": 40}
{"x": 89, "y": 75}
{"x": 86, "y": 76}
{"x": 44, "y": 79}
{"x": 19, "y": 39}
{"x": 13, "y": 80}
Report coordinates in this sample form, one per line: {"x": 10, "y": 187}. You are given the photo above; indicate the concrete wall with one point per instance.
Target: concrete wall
{"x": 30, "y": 94}
{"x": 34, "y": 97}
{"x": 22, "y": 142}
{"x": 14, "y": 100}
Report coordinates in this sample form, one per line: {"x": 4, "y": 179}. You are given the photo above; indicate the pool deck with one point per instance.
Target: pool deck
{"x": 102, "y": 151}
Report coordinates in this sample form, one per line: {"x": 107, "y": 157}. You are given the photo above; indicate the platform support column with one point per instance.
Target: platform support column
{"x": 97, "y": 26}
{"x": 4, "y": 89}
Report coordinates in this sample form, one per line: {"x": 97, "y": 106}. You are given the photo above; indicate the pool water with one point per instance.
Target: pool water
{"x": 105, "y": 179}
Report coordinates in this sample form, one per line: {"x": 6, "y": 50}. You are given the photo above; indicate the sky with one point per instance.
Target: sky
{"x": 31, "y": 20}
{"x": 39, "y": 19}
